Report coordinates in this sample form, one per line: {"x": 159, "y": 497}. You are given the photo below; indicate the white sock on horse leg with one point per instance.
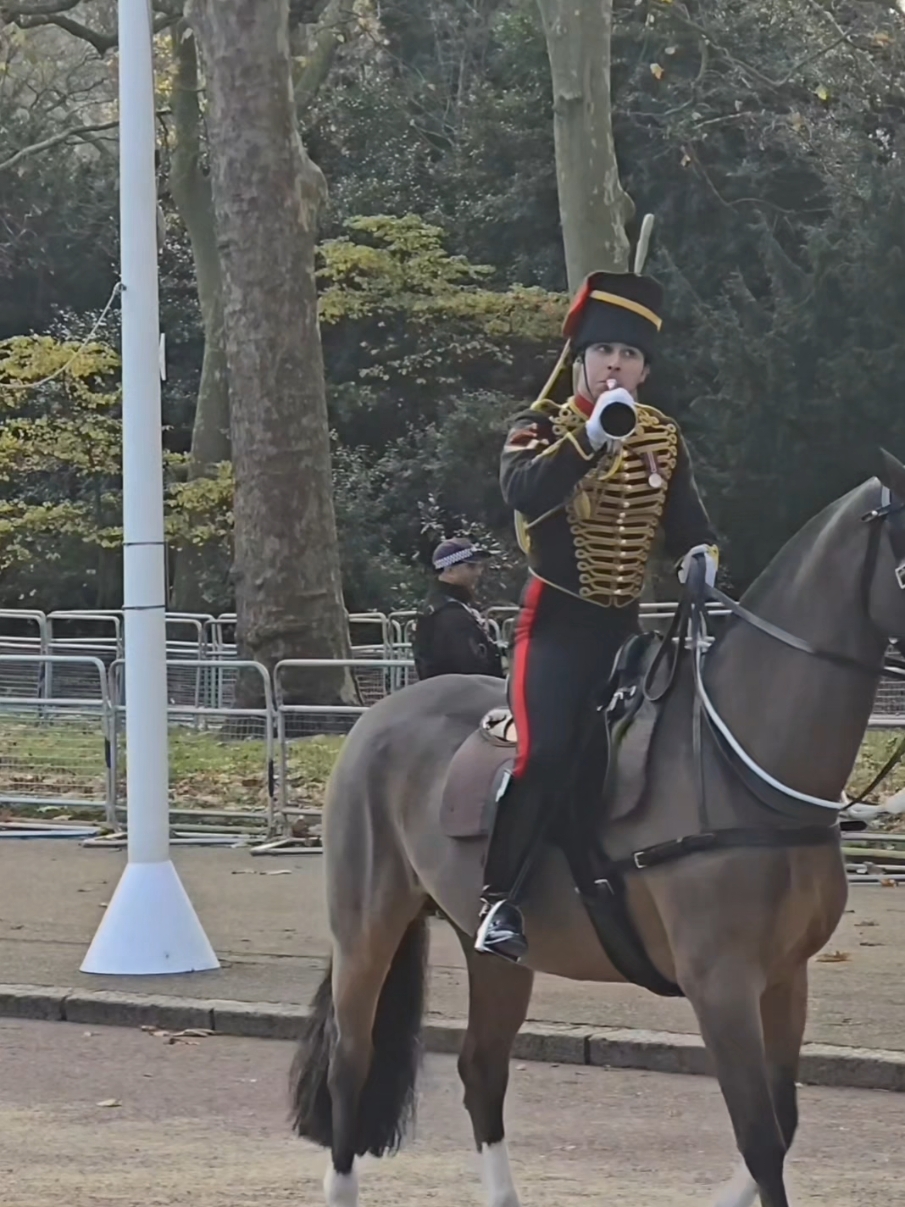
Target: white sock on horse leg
{"x": 340, "y": 1189}
{"x": 497, "y": 1176}
{"x": 741, "y": 1191}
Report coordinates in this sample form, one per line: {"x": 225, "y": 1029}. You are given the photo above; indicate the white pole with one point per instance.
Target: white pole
{"x": 150, "y": 925}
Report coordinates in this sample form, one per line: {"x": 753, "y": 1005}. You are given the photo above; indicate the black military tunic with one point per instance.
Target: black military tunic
{"x": 452, "y": 638}
{"x": 587, "y": 521}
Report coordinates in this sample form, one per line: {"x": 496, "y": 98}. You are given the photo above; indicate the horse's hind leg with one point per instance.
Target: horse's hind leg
{"x": 378, "y": 988}
{"x": 498, "y": 997}
{"x": 727, "y": 1003}
{"x": 353, "y": 1078}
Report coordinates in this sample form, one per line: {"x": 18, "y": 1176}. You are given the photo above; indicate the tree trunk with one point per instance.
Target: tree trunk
{"x": 592, "y": 205}
{"x": 266, "y": 194}
{"x": 191, "y": 189}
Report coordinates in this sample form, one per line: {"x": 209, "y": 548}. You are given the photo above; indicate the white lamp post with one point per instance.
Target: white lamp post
{"x": 150, "y": 925}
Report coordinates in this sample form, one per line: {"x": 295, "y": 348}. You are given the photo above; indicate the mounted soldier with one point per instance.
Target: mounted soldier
{"x": 451, "y": 636}
{"x": 591, "y": 481}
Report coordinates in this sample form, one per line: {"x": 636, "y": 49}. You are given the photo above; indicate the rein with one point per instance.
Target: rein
{"x": 688, "y": 629}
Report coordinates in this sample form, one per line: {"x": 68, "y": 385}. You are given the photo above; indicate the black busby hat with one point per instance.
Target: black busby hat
{"x": 615, "y": 307}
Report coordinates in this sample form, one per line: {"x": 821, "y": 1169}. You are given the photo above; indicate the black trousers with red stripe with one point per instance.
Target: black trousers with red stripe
{"x": 563, "y": 654}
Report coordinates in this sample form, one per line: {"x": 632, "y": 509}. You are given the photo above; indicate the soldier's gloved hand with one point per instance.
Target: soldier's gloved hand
{"x": 594, "y": 427}
{"x": 711, "y": 556}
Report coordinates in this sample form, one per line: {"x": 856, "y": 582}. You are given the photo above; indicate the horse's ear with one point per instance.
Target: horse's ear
{"x": 892, "y": 474}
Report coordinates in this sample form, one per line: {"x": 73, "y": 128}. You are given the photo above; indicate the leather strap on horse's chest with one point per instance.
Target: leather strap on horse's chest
{"x": 726, "y": 840}
{"x": 608, "y": 909}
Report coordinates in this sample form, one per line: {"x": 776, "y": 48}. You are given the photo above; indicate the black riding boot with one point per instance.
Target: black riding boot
{"x": 512, "y": 845}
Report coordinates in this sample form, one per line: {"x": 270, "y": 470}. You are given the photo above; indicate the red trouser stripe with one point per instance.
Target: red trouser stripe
{"x": 519, "y": 702}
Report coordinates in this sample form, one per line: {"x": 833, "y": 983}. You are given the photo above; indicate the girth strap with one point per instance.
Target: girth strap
{"x": 722, "y": 840}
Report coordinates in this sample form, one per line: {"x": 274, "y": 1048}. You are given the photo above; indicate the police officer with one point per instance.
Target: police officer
{"x": 451, "y": 636}
{"x": 591, "y": 482}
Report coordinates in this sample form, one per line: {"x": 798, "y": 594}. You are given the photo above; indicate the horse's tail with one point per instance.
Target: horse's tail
{"x": 387, "y": 1100}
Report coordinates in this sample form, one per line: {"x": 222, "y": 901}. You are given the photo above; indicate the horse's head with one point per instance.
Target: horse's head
{"x": 884, "y": 569}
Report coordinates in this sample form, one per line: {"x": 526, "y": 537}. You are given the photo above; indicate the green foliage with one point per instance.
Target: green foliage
{"x": 425, "y": 363}
{"x": 60, "y": 477}
{"x": 410, "y": 329}
{"x": 414, "y": 325}
{"x": 766, "y": 139}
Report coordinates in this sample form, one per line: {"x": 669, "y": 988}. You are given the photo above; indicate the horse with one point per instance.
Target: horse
{"x": 791, "y": 679}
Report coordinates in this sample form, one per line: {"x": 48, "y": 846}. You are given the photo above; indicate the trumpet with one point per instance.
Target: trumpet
{"x": 618, "y": 418}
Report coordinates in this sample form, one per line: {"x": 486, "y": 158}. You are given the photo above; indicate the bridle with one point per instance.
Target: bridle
{"x": 688, "y": 631}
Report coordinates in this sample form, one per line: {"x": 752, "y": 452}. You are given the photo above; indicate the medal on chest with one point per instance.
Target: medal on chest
{"x": 654, "y": 477}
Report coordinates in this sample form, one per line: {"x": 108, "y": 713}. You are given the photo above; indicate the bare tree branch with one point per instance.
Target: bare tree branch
{"x": 331, "y": 30}
{"x": 54, "y": 141}
{"x": 36, "y": 8}
{"x": 51, "y": 12}
{"x": 100, "y": 41}
{"x": 83, "y": 132}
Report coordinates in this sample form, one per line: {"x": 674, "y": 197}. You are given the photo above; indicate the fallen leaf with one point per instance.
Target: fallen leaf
{"x": 670, "y": 50}
{"x": 107, "y": 1102}
{"x": 190, "y": 1035}
{"x": 833, "y": 957}
{"x": 657, "y": 71}
{"x": 821, "y": 93}
{"x": 886, "y": 882}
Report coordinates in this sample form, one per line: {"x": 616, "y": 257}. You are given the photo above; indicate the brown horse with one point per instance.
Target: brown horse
{"x": 733, "y": 927}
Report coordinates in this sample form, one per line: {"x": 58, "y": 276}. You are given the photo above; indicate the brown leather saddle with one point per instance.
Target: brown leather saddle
{"x": 481, "y": 767}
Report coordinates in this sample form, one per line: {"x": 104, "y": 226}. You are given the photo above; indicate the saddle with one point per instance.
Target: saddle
{"x": 623, "y": 717}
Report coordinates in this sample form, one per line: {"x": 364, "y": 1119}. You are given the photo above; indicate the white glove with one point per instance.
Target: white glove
{"x": 593, "y": 427}
{"x": 711, "y": 556}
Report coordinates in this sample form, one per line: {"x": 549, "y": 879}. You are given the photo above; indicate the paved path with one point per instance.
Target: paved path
{"x": 205, "y": 1124}
{"x": 265, "y": 917}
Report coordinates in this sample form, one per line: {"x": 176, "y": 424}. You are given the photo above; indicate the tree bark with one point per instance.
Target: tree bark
{"x": 266, "y": 194}
{"x": 592, "y": 204}
{"x": 191, "y": 189}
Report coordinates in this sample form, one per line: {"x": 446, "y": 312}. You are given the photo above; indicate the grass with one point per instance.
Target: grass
{"x": 879, "y": 745}
{"x": 65, "y": 761}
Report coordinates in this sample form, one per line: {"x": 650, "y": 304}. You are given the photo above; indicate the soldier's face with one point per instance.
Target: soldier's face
{"x": 612, "y": 362}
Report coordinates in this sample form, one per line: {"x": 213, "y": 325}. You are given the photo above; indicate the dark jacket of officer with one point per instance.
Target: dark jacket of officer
{"x": 451, "y": 637}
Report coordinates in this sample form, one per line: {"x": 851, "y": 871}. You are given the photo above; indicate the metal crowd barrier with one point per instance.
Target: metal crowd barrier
{"x": 61, "y": 712}
{"x": 57, "y": 750}
{"x": 312, "y": 720}
{"x": 207, "y": 715}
